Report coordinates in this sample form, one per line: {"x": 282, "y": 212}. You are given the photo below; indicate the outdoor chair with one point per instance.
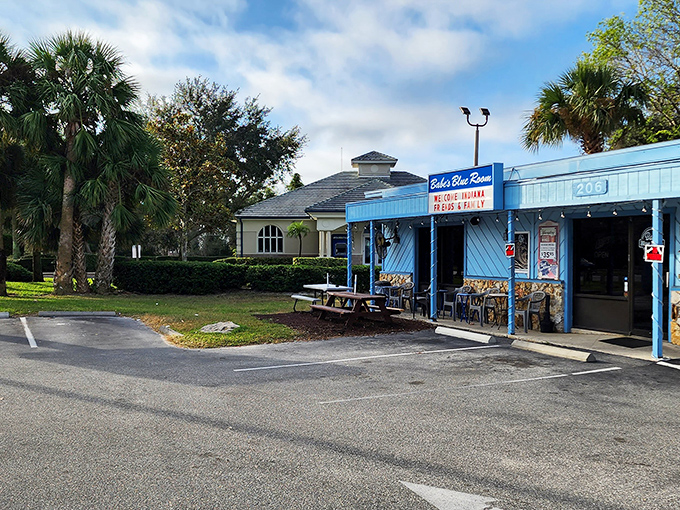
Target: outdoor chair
{"x": 401, "y": 295}
{"x": 421, "y": 299}
{"x": 449, "y": 299}
{"x": 477, "y": 305}
{"x": 489, "y": 304}
{"x": 533, "y": 301}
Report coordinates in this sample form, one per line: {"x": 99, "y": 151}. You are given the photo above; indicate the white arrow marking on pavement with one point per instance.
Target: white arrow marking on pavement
{"x": 445, "y": 499}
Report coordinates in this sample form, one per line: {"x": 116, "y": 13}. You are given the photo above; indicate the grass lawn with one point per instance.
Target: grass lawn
{"x": 186, "y": 314}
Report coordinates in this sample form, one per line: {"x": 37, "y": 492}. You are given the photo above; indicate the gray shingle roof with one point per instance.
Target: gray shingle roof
{"x": 326, "y": 195}
{"x": 374, "y": 157}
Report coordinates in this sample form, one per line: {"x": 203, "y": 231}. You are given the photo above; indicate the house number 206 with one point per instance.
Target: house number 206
{"x": 594, "y": 187}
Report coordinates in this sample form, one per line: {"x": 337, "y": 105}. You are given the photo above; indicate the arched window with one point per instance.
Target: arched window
{"x": 270, "y": 240}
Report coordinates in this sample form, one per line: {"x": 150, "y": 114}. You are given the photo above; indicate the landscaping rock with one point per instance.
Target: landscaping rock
{"x": 219, "y": 327}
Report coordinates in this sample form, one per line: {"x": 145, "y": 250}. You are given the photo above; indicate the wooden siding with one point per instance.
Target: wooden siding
{"x": 624, "y": 185}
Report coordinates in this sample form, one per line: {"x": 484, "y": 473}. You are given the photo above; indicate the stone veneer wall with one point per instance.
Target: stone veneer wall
{"x": 523, "y": 288}
{"x": 675, "y": 317}
{"x": 396, "y": 279}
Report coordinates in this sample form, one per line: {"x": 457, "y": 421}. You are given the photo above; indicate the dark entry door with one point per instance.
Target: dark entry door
{"x": 612, "y": 282}
{"x": 450, "y": 256}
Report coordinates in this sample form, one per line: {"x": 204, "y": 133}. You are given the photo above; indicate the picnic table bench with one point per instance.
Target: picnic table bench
{"x": 304, "y": 297}
{"x": 361, "y": 306}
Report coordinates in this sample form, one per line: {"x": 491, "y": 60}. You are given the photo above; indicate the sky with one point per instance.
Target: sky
{"x": 355, "y": 76}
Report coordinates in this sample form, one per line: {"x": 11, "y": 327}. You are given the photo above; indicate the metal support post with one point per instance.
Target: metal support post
{"x": 511, "y": 276}
{"x": 433, "y": 268}
{"x": 349, "y": 254}
{"x": 657, "y": 283}
{"x": 371, "y": 277}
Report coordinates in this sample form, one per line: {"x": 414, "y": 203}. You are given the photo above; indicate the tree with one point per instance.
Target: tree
{"x": 81, "y": 84}
{"x": 588, "y": 104}
{"x": 222, "y": 155}
{"x": 295, "y": 182}
{"x": 298, "y": 229}
{"x": 16, "y": 95}
{"x": 646, "y": 50}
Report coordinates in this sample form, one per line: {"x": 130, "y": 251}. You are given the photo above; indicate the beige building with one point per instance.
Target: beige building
{"x": 261, "y": 228}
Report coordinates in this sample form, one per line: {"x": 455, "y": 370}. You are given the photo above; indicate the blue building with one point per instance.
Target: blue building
{"x": 583, "y": 230}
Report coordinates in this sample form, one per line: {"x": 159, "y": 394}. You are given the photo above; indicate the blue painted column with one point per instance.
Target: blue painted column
{"x": 657, "y": 282}
{"x": 433, "y": 268}
{"x": 511, "y": 276}
{"x": 371, "y": 277}
{"x": 349, "y": 254}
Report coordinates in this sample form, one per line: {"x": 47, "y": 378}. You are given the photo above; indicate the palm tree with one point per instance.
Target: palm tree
{"x": 298, "y": 229}
{"x": 131, "y": 186}
{"x": 16, "y": 82}
{"x": 81, "y": 85}
{"x": 588, "y": 104}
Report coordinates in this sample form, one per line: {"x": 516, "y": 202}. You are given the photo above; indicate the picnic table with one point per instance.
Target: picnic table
{"x": 361, "y": 306}
{"x": 325, "y": 287}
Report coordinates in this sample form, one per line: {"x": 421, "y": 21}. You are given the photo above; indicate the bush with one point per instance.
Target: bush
{"x": 47, "y": 263}
{"x": 257, "y": 261}
{"x": 17, "y": 273}
{"x": 320, "y": 261}
{"x": 292, "y": 278}
{"x": 168, "y": 277}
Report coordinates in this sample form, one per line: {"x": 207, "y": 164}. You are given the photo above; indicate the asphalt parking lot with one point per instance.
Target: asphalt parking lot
{"x": 102, "y": 413}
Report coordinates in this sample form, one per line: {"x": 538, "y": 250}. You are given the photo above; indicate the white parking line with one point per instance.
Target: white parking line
{"x": 345, "y": 360}
{"x": 468, "y": 386}
{"x": 29, "y": 335}
{"x": 663, "y": 363}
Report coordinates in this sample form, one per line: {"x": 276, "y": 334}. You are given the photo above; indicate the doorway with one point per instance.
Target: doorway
{"x": 450, "y": 257}
{"x": 612, "y": 282}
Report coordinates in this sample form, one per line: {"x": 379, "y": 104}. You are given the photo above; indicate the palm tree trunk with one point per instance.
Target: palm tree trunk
{"x": 107, "y": 246}
{"x": 16, "y": 245}
{"x": 79, "y": 264}
{"x": 37, "y": 266}
{"x": 3, "y": 258}
{"x": 63, "y": 283}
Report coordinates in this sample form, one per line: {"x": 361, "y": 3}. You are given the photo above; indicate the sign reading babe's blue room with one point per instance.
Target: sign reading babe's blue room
{"x": 473, "y": 189}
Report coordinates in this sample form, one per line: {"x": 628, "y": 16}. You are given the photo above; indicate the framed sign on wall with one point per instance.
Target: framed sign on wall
{"x": 548, "y": 256}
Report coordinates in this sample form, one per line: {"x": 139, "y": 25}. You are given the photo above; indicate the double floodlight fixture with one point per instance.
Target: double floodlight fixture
{"x": 486, "y": 113}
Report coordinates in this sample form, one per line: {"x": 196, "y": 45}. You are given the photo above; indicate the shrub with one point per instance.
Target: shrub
{"x": 168, "y": 277}
{"x": 257, "y": 261}
{"x": 47, "y": 263}
{"x": 17, "y": 273}
{"x": 320, "y": 261}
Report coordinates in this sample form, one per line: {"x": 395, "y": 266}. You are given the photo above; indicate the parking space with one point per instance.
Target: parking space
{"x": 104, "y": 411}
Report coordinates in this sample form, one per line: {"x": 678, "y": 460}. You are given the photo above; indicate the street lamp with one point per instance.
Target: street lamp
{"x": 486, "y": 113}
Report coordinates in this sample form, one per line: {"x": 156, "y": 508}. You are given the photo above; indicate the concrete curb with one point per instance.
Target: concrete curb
{"x": 551, "y": 350}
{"x": 467, "y": 335}
{"x": 4, "y": 315}
{"x": 76, "y": 314}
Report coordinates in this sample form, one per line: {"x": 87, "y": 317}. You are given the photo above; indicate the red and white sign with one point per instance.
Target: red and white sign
{"x": 548, "y": 257}
{"x": 509, "y": 250}
{"x": 653, "y": 252}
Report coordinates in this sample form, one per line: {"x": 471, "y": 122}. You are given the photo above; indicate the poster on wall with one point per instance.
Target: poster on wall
{"x": 522, "y": 253}
{"x": 548, "y": 257}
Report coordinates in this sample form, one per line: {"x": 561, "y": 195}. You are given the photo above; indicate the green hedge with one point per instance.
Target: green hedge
{"x": 320, "y": 261}
{"x": 167, "y": 277}
{"x": 292, "y": 278}
{"x": 17, "y": 273}
{"x": 257, "y": 261}
{"x": 46, "y": 261}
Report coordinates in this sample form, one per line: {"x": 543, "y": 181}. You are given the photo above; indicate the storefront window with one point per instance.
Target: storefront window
{"x": 600, "y": 256}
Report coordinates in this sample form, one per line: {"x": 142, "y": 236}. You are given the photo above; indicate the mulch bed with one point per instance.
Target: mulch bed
{"x": 313, "y": 328}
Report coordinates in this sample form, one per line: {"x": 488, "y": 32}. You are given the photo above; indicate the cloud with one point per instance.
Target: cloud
{"x": 383, "y": 75}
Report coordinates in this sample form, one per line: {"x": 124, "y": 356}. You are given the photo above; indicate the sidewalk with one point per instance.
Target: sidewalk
{"x": 596, "y": 341}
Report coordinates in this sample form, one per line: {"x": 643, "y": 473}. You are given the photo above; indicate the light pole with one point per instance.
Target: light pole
{"x": 486, "y": 113}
